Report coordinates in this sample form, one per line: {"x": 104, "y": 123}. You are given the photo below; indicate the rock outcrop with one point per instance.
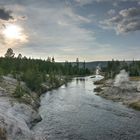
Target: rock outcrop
{"x": 16, "y": 116}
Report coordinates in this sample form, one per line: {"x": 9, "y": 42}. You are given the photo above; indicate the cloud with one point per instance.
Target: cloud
{"x": 127, "y": 20}
{"x": 5, "y": 15}
{"x": 130, "y": 12}
{"x": 57, "y": 28}
{"x": 85, "y": 2}
{"x": 66, "y": 29}
{"x": 115, "y": 4}
{"x": 9, "y": 16}
{"x": 51, "y": 25}
{"x": 111, "y": 12}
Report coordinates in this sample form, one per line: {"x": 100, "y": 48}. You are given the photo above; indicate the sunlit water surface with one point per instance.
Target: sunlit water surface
{"x": 74, "y": 112}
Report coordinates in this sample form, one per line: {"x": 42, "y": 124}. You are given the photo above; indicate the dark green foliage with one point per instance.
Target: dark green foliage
{"x": 33, "y": 78}
{"x": 53, "y": 80}
{"x": 9, "y": 53}
{"x": 135, "y": 105}
{"x": 33, "y": 71}
{"x": 3, "y": 134}
{"x": 114, "y": 67}
{"x": 19, "y": 91}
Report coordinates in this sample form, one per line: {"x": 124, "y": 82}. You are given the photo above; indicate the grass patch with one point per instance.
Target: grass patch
{"x": 135, "y": 105}
{"x": 100, "y": 82}
{"x": 97, "y": 89}
{"x": 3, "y": 134}
{"x": 134, "y": 78}
{"x": 19, "y": 91}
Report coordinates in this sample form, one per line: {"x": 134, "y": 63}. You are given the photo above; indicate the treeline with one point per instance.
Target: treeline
{"x": 36, "y": 71}
{"x": 114, "y": 67}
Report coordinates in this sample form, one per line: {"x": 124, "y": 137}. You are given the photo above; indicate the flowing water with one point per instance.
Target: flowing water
{"x": 74, "y": 112}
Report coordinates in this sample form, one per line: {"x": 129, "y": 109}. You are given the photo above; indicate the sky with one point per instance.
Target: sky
{"x": 91, "y": 30}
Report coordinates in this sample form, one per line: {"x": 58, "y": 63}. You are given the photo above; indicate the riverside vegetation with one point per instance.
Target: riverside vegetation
{"x": 35, "y": 72}
{"x": 121, "y": 83}
{"x": 22, "y": 81}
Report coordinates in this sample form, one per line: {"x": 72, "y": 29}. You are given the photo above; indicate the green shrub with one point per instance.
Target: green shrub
{"x": 19, "y": 91}
{"x": 135, "y": 105}
{"x": 3, "y": 134}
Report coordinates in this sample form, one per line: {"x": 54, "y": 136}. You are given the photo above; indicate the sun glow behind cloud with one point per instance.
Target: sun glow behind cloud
{"x": 14, "y": 33}
{"x": 67, "y": 29}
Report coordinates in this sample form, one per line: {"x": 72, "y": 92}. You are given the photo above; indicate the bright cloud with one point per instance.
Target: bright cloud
{"x": 68, "y": 29}
{"x": 127, "y": 20}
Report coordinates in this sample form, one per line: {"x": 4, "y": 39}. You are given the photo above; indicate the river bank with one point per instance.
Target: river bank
{"x": 125, "y": 90}
{"x": 19, "y": 115}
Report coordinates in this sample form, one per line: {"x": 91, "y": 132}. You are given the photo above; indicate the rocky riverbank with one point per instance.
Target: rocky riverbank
{"x": 19, "y": 115}
{"x": 120, "y": 89}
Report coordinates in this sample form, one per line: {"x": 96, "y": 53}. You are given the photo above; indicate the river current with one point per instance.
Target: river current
{"x": 75, "y": 112}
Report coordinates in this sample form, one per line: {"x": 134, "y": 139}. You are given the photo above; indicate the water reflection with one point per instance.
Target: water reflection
{"x": 81, "y": 79}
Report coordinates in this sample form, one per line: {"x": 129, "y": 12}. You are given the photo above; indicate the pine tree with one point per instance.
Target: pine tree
{"x": 9, "y": 53}
{"x": 53, "y": 59}
{"x": 19, "y": 56}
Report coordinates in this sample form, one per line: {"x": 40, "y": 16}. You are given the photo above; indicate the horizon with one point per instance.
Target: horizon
{"x": 92, "y": 30}
{"x": 80, "y": 61}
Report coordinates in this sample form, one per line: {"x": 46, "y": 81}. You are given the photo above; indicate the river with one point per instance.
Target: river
{"x": 74, "y": 112}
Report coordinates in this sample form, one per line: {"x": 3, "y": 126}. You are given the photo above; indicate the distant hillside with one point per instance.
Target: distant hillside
{"x": 92, "y": 65}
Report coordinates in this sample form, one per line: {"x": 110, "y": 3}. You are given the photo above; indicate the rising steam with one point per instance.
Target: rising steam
{"x": 121, "y": 79}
